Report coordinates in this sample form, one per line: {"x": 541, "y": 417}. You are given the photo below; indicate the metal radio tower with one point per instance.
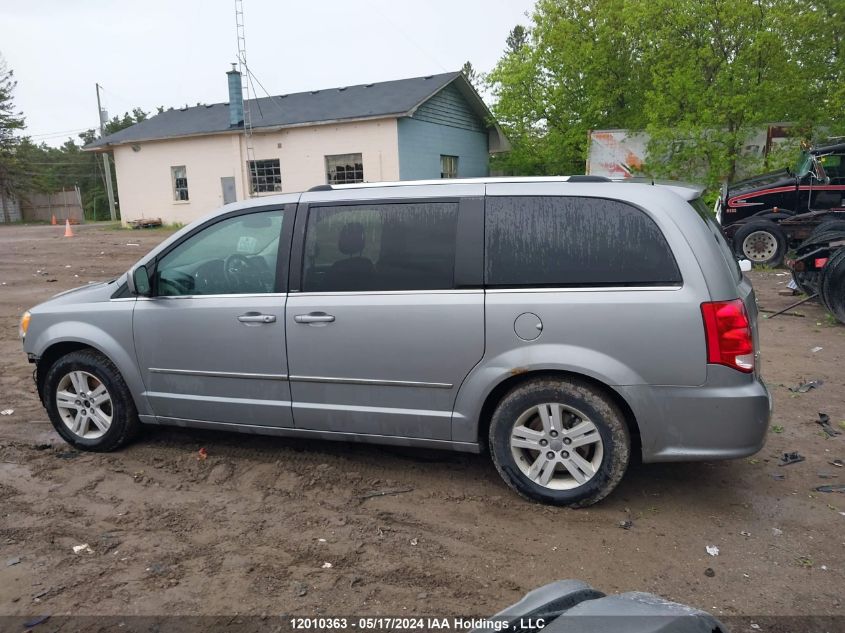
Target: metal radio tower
{"x": 243, "y": 69}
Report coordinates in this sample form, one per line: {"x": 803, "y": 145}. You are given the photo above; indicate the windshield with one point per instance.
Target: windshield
{"x": 805, "y": 164}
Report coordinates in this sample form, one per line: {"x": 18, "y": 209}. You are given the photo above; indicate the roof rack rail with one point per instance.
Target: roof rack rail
{"x": 588, "y": 178}
{"x": 321, "y": 188}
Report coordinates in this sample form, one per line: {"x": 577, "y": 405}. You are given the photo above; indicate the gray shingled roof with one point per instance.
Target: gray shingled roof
{"x": 382, "y": 99}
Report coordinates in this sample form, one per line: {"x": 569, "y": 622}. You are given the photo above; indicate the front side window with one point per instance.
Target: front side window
{"x": 570, "y": 241}
{"x": 448, "y": 166}
{"x": 234, "y": 256}
{"x": 265, "y": 175}
{"x": 380, "y": 247}
{"x": 179, "y": 177}
{"x": 344, "y": 169}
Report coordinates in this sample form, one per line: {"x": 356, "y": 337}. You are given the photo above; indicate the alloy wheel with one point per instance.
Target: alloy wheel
{"x": 84, "y": 405}
{"x": 556, "y": 446}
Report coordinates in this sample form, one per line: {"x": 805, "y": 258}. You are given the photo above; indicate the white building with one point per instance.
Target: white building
{"x": 181, "y": 164}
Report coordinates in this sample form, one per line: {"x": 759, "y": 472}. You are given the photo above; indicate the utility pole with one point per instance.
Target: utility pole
{"x": 106, "y": 163}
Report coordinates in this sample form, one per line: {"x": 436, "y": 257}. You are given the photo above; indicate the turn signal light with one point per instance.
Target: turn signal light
{"x": 24, "y": 324}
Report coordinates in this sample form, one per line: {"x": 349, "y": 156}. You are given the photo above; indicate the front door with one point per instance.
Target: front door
{"x": 227, "y": 183}
{"x": 379, "y": 338}
{"x": 211, "y": 342}
{"x": 827, "y": 191}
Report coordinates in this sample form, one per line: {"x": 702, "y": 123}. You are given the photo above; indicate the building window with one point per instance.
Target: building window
{"x": 448, "y": 166}
{"x": 265, "y": 175}
{"x": 343, "y": 169}
{"x": 179, "y": 175}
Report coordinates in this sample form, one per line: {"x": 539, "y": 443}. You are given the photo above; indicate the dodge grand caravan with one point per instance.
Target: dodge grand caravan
{"x": 561, "y": 324}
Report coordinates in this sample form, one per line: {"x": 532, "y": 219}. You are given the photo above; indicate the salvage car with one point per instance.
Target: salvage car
{"x": 767, "y": 215}
{"x": 562, "y": 324}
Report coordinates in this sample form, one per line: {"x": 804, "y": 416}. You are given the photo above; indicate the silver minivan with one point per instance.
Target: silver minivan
{"x": 562, "y": 324}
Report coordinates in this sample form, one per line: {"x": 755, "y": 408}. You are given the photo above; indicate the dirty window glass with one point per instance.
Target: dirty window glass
{"x": 707, "y": 217}
{"x": 380, "y": 247}
{"x": 234, "y": 256}
{"x": 569, "y": 241}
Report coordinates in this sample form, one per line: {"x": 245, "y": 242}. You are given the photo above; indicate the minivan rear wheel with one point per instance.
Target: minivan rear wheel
{"x": 562, "y": 442}
{"x": 88, "y": 402}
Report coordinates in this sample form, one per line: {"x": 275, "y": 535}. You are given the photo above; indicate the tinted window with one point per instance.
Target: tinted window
{"x": 234, "y": 256}
{"x": 380, "y": 247}
{"x": 705, "y": 214}
{"x": 559, "y": 241}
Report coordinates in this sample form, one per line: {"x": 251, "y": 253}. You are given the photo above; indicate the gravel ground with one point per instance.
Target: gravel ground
{"x": 251, "y": 528}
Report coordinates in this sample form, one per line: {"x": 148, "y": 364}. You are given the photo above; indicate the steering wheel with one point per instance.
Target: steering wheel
{"x": 235, "y": 268}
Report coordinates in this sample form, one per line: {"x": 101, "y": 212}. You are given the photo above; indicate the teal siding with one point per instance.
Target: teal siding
{"x": 445, "y": 124}
{"x": 448, "y": 107}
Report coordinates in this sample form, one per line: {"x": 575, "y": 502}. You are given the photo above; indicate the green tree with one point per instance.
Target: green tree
{"x": 12, "y": 174}
{"x": 475, "y": 78}
{"x": 719, "y": 71}
{"x": 698, "y": 75}
{"x": 53, "y": 168}
{"x": 574, "y": 70}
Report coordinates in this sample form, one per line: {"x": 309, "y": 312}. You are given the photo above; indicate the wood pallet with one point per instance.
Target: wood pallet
{"x": 144, "y": 223}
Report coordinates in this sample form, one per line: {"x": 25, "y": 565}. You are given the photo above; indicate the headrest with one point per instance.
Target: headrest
{"x": 351, "y": 240}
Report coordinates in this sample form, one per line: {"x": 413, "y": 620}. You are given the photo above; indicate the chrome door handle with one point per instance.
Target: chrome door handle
{"x": 314, "y": 317}
{"x": 254, "y": 317}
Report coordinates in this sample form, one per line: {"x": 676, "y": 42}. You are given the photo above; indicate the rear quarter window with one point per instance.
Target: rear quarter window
{"x": 716, "y": 232}
{"x": 572, "y": 241}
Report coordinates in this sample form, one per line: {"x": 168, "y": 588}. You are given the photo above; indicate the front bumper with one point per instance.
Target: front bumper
{"x": 725, "y": 418}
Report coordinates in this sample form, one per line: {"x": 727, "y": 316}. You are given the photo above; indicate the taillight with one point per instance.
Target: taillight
{"x": 820, "y": 262}
{"x": 728, "y": 334}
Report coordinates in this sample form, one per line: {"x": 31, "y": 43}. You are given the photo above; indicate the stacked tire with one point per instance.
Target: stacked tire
{"x": 832, "y": 283}
{"x": 829, "y": 283}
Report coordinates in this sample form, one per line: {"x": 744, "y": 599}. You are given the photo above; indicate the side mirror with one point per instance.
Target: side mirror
{"x": 138, "y": 281}
{"x": 745, "y": 265}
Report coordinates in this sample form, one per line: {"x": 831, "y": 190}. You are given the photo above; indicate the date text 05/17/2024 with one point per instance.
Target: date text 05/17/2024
{"x": 412, "y": 624}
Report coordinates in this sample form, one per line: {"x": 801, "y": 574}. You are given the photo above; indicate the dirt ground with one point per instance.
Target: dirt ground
{"x": 250, "y": 529}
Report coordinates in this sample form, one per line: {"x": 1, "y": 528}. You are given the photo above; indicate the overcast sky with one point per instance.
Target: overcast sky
{"x": 175, "y": 52}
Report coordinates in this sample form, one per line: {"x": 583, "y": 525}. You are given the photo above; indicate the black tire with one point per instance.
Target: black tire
{"x": 822, "y": 237}
{"x": 596, "y": 407}
{"x": 124, "y": 424}
{"x": 832, "y": 285}
{"x": 766, "y": 244}
{"x": 828, "y": 225}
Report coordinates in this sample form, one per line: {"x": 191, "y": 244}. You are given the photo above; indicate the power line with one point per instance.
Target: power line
{"x": 60, "y": 133}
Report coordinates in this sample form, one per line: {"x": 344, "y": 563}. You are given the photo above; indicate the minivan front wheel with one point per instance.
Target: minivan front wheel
{"x": 88, "y": 402}
{"x": 561, "y": 442}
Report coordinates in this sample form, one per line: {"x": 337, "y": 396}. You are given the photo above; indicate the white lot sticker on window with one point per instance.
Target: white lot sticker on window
{"x": 247, "y": 244}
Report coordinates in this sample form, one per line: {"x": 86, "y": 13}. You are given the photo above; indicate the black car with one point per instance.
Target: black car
{"x": 763, "y": 217}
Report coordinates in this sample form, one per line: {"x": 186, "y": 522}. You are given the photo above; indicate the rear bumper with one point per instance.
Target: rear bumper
{"x": 725, "y": 418}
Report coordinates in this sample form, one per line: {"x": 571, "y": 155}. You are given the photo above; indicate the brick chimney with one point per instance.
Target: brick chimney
{"x": 236, "y": 98}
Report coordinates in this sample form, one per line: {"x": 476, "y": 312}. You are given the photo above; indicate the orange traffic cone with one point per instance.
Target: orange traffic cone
{"x": 53, "y": 221}
{"x": 68, "y": 230}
